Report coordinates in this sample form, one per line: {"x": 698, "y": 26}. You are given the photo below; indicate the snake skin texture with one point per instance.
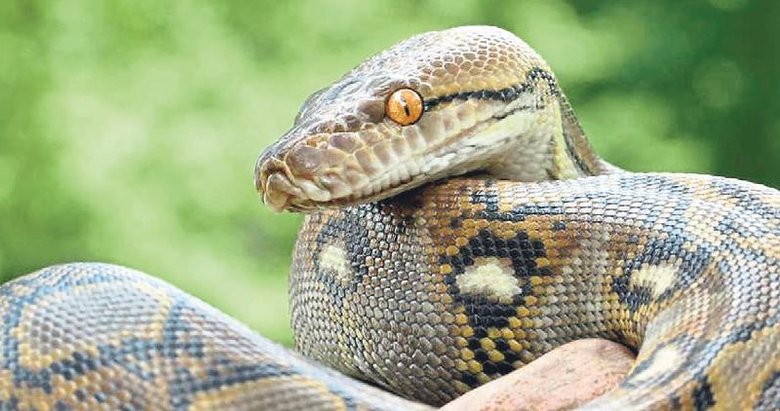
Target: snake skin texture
{"x": 437, "y": 292}
{"x": 424, "y": 284}
{"x": 98, "y": 336}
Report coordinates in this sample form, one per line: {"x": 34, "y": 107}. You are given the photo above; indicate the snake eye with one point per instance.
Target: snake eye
{"x": 404, "y": 106}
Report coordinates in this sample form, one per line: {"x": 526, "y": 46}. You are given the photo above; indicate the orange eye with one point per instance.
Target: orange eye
{"x": 404, "y": 106}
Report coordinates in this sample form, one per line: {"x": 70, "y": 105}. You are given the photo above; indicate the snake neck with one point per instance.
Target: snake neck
{"x": 564, "y": 151}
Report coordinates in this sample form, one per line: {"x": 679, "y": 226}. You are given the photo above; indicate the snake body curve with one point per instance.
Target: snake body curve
{"x": 425, "y": 286}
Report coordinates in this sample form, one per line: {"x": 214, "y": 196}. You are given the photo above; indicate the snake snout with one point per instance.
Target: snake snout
{"x": 272, "y": 183}
{"x": 305, "y": 177}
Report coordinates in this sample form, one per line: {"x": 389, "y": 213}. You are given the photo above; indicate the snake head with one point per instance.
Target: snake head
{"x": 436, "y": 105}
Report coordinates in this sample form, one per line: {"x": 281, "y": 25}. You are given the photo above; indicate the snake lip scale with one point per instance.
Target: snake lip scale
{"x": 458, "y": 226}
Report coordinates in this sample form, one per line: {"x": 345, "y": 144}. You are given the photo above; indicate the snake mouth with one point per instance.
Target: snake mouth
{"x": 284, "y": 189}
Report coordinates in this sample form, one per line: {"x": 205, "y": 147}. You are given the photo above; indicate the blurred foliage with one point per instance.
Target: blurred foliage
{"x": 129, "y": 129}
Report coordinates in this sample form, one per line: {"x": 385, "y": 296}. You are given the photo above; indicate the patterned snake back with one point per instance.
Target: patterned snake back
{"x": 429, "y": 285}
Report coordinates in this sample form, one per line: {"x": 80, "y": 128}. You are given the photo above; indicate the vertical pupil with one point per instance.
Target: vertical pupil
{"x": 405, "y": 106}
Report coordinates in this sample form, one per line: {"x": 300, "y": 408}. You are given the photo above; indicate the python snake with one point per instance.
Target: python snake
{"x": 427, "y": 284}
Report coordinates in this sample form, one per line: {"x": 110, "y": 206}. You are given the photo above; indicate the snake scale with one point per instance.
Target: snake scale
{"x": 458, "y": 226}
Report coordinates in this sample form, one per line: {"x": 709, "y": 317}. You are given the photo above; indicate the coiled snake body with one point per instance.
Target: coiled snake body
{"x": 430, "y": 290}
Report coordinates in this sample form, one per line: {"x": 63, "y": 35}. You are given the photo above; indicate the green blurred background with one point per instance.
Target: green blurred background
{"x": 129, "y": 129}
